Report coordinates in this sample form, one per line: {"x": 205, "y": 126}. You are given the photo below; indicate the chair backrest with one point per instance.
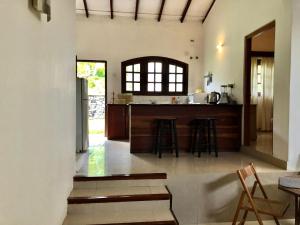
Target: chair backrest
{"x": 247, "y": 172}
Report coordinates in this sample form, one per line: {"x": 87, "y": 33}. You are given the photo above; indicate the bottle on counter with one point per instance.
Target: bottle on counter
{"x": 173, "y": 100}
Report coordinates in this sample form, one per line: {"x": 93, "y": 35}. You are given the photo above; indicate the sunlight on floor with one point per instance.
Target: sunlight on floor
{"x": 96, "y": 161}
{"x": 113, "y": 157}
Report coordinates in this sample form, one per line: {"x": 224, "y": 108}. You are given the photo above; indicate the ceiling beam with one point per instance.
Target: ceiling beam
{"x": 111, "y": 9}
{"x": 208, "y": 11}
{"x": 186, "y": 8}
{"x": 136, "y": 9}
{"x": 86, "y": 9}
{"x": 161, "y": 10}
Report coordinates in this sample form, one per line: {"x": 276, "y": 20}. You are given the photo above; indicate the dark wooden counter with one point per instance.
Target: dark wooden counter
{"x": 117, "y": 122}
{"x": 142, "y": 125}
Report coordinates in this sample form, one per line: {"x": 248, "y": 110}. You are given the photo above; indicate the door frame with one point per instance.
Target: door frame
{"x": 105, "y": 63}
{"x": 247, "y": 78}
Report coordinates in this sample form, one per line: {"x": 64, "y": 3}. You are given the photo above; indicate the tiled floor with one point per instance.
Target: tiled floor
{"x": 193, "y": 181}
{"x": 114, "y": 158}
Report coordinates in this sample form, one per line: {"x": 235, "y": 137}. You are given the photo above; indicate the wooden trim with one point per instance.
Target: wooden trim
{"x": 98, "y": 61}
{"x": 171, "y": 205}
{"x": 165, "y": 75}
{"x": 171, "y": 196}
{"x": 161, "y": 10}
{"x": 266, "y": 27}
{"x": 247, "y": 91}
{"x": 292, "y": 191}
{"x": 118, "y": 198}
{"x": 174, "y": 216}
{"x": 86, "y": 9}
{"x": 208, "y": 11}
{"x": 247, "y": 78}
{"x": 112, "y": 9}
{"x": 138, "y": 176}
{"x": 186, "y": 8}
{"x": 266, "y": 157}
{"x": 262, "y": 54}
{"x": 144, "y": 223}
{"x": 136, "y": 9}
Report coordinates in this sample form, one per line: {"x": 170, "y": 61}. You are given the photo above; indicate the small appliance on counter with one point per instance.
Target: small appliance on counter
{"x": 123, "y": 99}
{"x": 224, "y": 95}
{"x": 198, "y": 97}
{"x": 175, "y": 100}
{"x": 190, "y": 99}
{"x": 213, "y": 98}
{"x": 232, "y": 99}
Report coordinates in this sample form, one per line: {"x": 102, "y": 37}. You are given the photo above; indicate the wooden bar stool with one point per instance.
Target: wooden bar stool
{"x": 165, "y": 129}
{"x": 204, "y": 136}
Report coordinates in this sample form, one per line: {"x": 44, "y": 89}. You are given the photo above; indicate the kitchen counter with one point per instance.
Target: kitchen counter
{"x": 142, "y": 124}
{"x": 185, "y": 104}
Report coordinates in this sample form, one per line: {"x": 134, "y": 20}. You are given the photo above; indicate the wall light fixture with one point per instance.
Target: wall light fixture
{"x": 220, "y": 46}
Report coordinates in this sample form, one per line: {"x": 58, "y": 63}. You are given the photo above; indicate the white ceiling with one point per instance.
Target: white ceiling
{"x": 148, "y": 8}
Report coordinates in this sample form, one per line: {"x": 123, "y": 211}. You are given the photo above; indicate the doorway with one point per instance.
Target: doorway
{"x": 258, "y": 91}
{"x": 92, "y": 74}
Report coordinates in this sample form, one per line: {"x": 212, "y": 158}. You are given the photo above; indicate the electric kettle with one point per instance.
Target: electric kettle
{"x": 213, "y": 97}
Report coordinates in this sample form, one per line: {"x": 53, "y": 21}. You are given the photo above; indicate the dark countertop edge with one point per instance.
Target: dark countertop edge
{"x": 218, "y": 105}
{"x": 236, "y": 105}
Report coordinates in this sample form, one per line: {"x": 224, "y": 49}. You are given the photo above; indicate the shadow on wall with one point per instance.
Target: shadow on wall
{"x": 278, "y": 144}
{"x": 33, "y": 11}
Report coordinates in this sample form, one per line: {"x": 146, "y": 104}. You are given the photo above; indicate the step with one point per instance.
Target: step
{"x": 120, "y": 180}
{"x": 119, "y": 198}
{"x": 171, "y": 222}
{"x": 150, "y": 217}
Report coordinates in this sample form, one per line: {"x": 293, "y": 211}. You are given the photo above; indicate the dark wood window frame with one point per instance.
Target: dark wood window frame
{"x": 143, "y": 61}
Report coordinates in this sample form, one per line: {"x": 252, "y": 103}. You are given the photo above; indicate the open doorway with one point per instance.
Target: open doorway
{"x": 258, "y": 96}
{"x": 92, "y": 76}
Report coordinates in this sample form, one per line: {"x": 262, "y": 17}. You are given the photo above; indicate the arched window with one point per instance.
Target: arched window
{"x": 154, "y": 75}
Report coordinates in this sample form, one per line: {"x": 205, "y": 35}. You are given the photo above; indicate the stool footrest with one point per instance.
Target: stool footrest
{"x": 165, "y": 129}
{"x": 204, "y": 136}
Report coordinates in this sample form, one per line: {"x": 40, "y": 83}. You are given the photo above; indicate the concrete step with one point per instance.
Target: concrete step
{"x": 118, "y": 199}
{"x": 122, "y": 180}
{"x": 150, "y": 217}
{"x": 116, "y": 191}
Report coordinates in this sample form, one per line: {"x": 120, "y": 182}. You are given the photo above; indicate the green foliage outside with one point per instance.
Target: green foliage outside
{"x": 95, "y": 74}
{"x": 87, "y": 69}
{"x": 96, "y": 132}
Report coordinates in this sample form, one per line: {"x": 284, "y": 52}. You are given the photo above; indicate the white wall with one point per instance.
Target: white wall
{"x": 37, "y": 116}
{"x": 294, "y": 140}
{"x": 229, "y": 22}
{"x": 117, "y": 40}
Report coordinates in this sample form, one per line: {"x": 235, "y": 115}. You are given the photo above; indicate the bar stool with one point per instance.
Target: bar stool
{"x": 204, "y": 136}
{"x": 165, "y": 127}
